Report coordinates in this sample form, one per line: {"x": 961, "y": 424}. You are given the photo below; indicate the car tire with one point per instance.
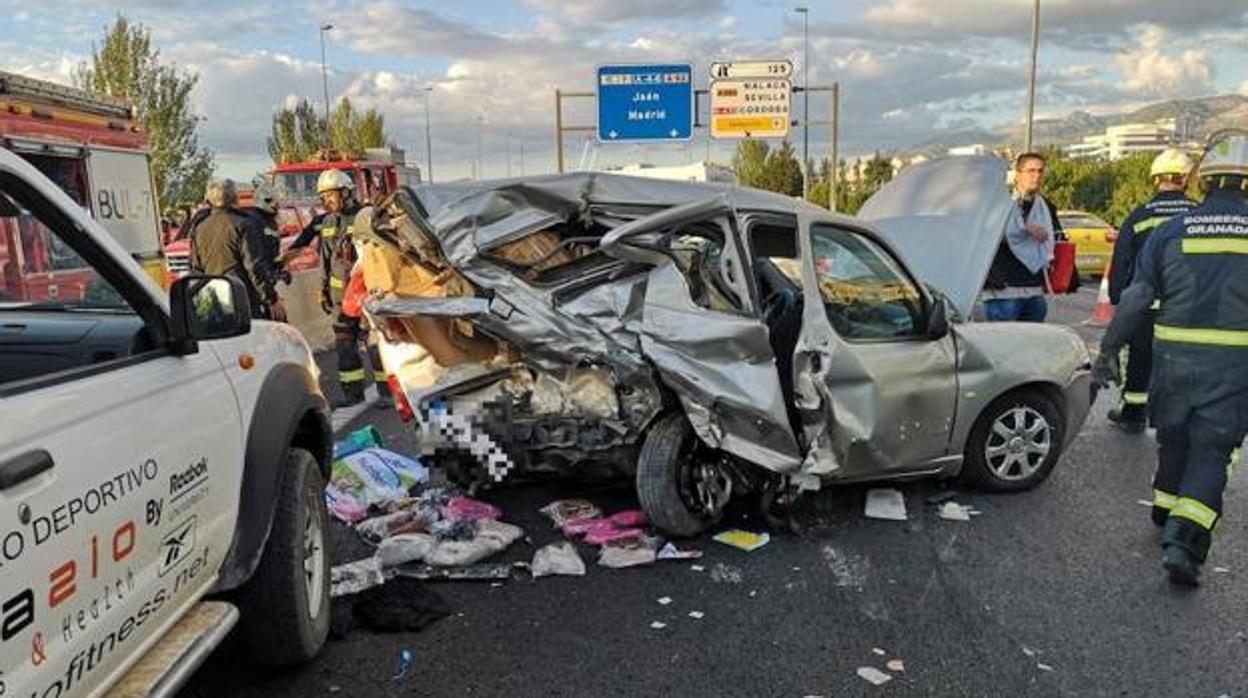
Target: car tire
{"x": 1015, "y": 443}
{"x": 667, "y": 456}
{"x": 285, "y": 604}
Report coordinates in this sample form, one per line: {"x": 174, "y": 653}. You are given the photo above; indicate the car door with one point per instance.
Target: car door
{"x": 118, "y": 472}
{"x": 876, "y": 388}
{"x": 702, "y": 330}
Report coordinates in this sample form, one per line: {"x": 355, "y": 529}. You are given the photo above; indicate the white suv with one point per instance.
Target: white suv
{"x": 162, "y": 462}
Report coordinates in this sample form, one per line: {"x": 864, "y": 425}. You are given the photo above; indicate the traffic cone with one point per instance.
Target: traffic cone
{"x": 1103, "y": 313}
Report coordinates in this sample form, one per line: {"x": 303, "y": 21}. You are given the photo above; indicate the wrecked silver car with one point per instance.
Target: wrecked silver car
{"x": 713, "y": 342}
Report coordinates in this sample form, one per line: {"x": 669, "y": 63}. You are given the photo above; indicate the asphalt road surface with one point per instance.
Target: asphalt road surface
{"x": 1054, "y": 592}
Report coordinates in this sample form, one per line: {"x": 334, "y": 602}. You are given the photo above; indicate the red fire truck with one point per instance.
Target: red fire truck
{"x": 94, "y": 149}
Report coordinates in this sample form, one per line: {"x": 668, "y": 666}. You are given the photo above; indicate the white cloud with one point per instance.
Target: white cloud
{"x": 727, "y": 22}
{"x": 614, "y": 11}
{"x": 1243, "y": 88}
{"x": 1150, "y": 71}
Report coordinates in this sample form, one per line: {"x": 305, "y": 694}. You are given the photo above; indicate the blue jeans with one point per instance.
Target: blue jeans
{"x": 1033, "y": 309}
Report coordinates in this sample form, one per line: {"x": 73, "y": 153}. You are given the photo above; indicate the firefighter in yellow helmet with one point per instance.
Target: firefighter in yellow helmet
{"x": 1196, "y": 263}
{"x": 1169, "y": 174}
{"x": 334, "y": 228}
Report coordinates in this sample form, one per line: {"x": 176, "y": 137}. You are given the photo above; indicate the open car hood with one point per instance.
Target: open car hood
{"x": 946, "y": 218}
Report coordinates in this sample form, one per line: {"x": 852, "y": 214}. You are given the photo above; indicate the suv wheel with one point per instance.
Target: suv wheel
{"x": 285, "y": 605}
{"x": 1015, "y": 443}
{"x": 682, "y": 488}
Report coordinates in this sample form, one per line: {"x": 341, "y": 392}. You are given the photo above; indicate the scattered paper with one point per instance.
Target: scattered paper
{"x": 743, "y": 540}
{"x": 886, "y": 504}
{"x": 665, "y": 600}
{"x": 875, "y": 676}
{"x": 1029, "y": 652}
{"x": 696, "y": 615}
{"x": 952, "y": 511}
{"x": 879, "y": 651}
{"x": 726, "y": 574}
{"x": 1144, "y": 503}
{"x": 697, "y": 568}
{"x": 897, "y": 666}
{"x": 1221, "y": 570}
{"x": 671, "y": 552}
{"x": 1044, "y": 667}
{"x": 658, "y": 625}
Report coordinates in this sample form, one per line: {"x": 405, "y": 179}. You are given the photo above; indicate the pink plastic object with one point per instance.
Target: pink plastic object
{"x": 609, "y": 535}
{"x": 467, "y": 509}
{"x": 629, "y": 519}
{"x": 580, "y": 527}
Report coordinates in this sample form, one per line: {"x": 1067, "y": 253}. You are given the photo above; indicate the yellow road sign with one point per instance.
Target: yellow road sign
{"x": 750, "y": 108}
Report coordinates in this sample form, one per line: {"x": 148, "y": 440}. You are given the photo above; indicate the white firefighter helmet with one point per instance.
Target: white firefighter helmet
{"x": 265, "y": 198}
{"x": 1171, "y": 161}
{"x": 221, "y": 193}
{"x": 333, "y": 179}
{"x": 1226, "y": 154}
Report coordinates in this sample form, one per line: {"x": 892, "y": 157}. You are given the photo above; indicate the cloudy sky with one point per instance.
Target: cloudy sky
{"x": 910, "y": 69}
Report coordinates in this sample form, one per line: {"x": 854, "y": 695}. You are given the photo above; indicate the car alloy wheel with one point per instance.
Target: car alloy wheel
{"x": 313, "y": 562}
{"x": 1018, "y": 443}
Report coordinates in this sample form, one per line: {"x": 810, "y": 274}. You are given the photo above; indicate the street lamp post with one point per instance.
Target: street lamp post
{"x": 428, "y": 140}
{"x": 805, "y": 13}
{"x": 325, "y": 81}
{"x": 1031, "y": 82}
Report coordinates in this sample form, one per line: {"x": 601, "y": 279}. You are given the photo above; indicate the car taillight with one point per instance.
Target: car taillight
{"x": 401, "y": 404}
{"x": 1111, "y": 235}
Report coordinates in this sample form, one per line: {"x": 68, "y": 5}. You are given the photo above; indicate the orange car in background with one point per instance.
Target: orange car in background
{"x": 1093, "y": 238}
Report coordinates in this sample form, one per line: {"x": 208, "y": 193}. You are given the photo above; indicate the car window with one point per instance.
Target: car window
{"x": 1082, "y": 221}
{"x": 866, "y": 293}
{"x": 59, "y": 313}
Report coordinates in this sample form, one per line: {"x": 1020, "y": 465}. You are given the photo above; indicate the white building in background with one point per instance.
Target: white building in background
{"x": 1126, "y": 139}
{"x": 693, "y": 172}
{"x": 973, "y": 149}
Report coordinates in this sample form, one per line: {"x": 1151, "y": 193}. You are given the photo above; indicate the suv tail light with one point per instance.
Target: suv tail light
{"x": 401, "y": 404}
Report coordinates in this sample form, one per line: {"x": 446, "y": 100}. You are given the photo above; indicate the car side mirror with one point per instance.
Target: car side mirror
{"x": 938, "y": 319}
{"x": 208, "y": 307}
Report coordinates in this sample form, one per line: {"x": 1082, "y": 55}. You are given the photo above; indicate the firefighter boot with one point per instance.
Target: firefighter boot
{"x": 1128, "y": 418}
{"x": 1181, "y": 565}
{"x": 349, "y": 398}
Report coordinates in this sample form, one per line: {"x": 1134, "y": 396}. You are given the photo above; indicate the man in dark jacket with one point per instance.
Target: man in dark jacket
{"x": 1015, "y": 288}
{"x": 228, "y": 243}
{"x": 1169, "y": 173}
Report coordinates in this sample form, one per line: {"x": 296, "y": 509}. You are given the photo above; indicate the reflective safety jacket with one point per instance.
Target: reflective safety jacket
{"x": 1197, "y": 264}
{"x": 1135, "y": 232}
{"x": 337, "y": 249}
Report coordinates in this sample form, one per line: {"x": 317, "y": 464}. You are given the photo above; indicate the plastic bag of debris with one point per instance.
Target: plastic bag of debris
{"x": 564, "y": 510}
{"x": 557, "y": 559}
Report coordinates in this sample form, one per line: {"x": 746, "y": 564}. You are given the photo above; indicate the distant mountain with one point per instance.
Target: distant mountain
{"x": 1197, "y": 117}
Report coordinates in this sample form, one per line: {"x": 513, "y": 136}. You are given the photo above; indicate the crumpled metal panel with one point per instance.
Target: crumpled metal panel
{"x": 721, "y": 365}
{"x": 946, "y": 218}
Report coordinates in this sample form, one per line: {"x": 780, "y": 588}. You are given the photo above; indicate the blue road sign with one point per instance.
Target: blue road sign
{"x": 645, "y": 103}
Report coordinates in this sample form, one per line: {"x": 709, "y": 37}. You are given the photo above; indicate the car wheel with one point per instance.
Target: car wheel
{"x": 1015, "y": 443}
{"x": 285, "y": 605}
{"x": 682, "y": 487}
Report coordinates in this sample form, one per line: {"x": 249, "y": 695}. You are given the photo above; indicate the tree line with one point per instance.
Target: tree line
{"x": 1110, "y": 189}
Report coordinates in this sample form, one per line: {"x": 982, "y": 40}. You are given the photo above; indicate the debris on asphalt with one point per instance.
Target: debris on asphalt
{"x": 480, "y": 572}
{"x": 611, "y": 534}
{"x": 879, "y": 651}
{"x": 354, "y": 577}
{"x": 726, "y": 574}
{"x": 697, "y": 568}
{"x": 358, "y": 440}
{"x": 896, "y": 666}
{"x": 1044, "y": 667}
{"x": 558, "y": 559}
{"x": 399, "y": 606}
{"x": 368, "y": 477}
{"x": 885, "y": 503}
{"x": 665, "y": 600}
{"x": 658, "y": 625}
{"x": 1221, "y": 570}
{"x": 562, "y": 511}
{"x": 1029, "y": 652}
{"x": 952, "y": 511}
{"x": 697, "y": 615}
{"x": 1144, "y": 503}
{"x": 467, "y": 509}
{"x": 410, "y": 516}
{"x": 405, "y": 663}
{"x": 620, "y": 557}
{"x": 669, "y": 551}
{"x": 941, "y": 497}
{"x": 873, "y": 675}
{"x": 491, "y": 537}
{"x": 404, "y": 548}
{"x": 743, "y": 540}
